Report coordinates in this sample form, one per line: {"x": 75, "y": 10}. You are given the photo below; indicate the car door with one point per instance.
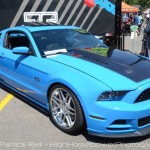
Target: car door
{"x": 22, "y": 71}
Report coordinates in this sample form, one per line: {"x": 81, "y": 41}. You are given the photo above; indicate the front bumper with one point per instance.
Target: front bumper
{"x": 141, "y": 132}
{"x": 120, "y": 119}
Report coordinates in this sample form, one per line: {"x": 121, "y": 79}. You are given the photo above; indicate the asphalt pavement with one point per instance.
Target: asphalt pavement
{"x": 22, "y": 127}
{"x": 134, "y": 45}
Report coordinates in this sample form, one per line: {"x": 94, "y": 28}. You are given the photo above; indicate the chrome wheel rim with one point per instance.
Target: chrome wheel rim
{"x": 63, "y": 108}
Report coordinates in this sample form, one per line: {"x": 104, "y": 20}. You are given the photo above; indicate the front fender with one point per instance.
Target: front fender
{"x": 86, "y": 88}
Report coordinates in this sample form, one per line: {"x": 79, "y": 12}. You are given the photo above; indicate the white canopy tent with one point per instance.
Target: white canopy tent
{"x": 147, "y": 11}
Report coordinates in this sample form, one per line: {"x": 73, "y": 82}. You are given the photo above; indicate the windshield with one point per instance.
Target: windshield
{"x": 59, "y": 40}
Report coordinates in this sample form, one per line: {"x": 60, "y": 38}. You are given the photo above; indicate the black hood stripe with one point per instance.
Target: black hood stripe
{"x": 131, "y": 66}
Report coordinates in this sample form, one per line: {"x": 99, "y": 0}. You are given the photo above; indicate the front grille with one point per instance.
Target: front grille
{"x": 143, "y": 96}
{"x": 144, "y": 121}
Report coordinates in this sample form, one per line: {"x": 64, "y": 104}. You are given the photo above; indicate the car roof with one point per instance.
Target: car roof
{"x": 40, "y": 28}
{"x": 32, "y": 27}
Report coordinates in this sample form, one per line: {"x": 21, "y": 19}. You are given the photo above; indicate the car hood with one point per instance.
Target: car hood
{"x": 117, "y": 69}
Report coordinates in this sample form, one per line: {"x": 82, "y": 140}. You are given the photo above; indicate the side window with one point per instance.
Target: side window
{"x": 17, "y": 39}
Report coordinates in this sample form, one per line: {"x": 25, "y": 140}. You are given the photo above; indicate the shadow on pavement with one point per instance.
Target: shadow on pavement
{"x": 103, "y": 140}
{"x": 88, "y": 137}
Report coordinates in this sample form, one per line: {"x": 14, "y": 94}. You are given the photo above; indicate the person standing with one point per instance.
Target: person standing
{"x": 147, "y": 18}
{"x": 146, "y": 41}
{"x": 140, "y": 21}
{"x": 124, "y": 18}
{"x": 136, "y": 19}
{"x": 131, "y": 19}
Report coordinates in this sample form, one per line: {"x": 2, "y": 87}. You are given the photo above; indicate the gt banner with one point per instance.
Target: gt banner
{"x": 96, "y": 16}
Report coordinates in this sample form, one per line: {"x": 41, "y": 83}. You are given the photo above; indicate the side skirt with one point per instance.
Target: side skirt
{"x": 26, "y": 99}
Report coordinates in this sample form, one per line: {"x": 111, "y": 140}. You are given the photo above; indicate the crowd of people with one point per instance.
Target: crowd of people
{"x": 131, "y": 19}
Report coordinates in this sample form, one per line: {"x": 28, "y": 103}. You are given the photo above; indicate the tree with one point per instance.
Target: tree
{"x": 143, "y": 3}
{"x": 132, "y": 2}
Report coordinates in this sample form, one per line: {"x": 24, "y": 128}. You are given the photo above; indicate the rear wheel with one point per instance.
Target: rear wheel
{"x": 65, "y": 110}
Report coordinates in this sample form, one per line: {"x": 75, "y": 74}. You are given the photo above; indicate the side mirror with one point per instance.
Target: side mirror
{"x": 21, "y": 50}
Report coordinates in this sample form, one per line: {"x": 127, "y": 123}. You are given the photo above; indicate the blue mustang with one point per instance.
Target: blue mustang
{"x": 77, "y": 79}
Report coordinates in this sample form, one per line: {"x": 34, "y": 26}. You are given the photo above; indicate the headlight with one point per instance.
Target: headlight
{"x": 112, "y": 96}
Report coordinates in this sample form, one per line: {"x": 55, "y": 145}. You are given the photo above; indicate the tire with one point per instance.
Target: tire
{"x": 65, "y": 110}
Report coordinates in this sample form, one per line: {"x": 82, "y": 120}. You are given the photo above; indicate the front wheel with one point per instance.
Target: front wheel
{"x": 65, "y": 110}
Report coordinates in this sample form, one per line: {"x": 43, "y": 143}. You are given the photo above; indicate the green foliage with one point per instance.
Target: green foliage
{"x": 143, "y": 3}
{"x": 132, "y": 2}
